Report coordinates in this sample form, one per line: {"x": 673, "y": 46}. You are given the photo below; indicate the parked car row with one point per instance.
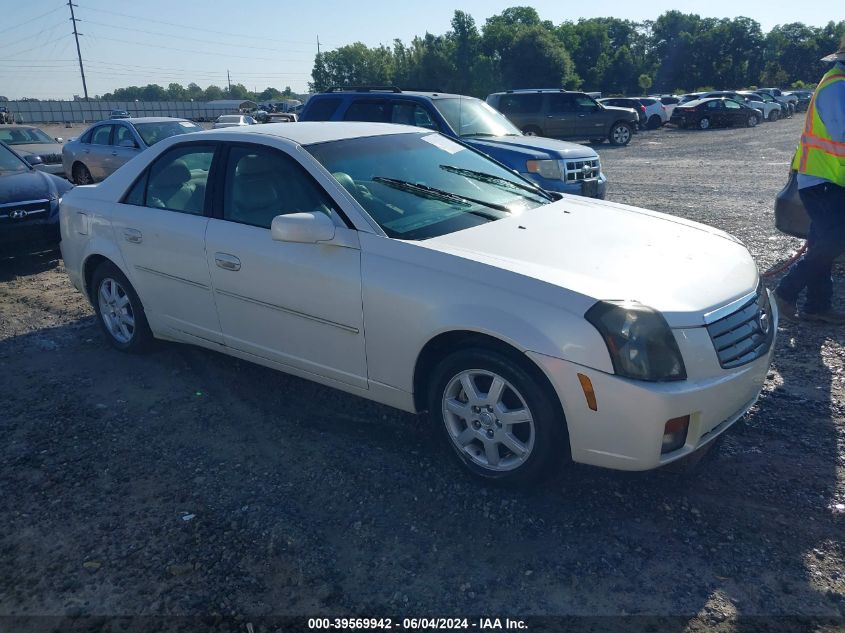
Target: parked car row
{"x": 407, "y": 266}
{"x": 552, "y": 164}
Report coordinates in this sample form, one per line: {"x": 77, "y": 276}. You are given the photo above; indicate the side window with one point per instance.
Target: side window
{"x": 322, "y": 109}
{"x": 177, "y": 181}
{"x": 521, "y": 103}
{"x": 714, "y": 105}
{"x": 101, "y": 135}
{"x": 122, "y": 133}
{"x": 583, "y": 103}
{"x": 562, "y": 103}
{"x": 372, "y": 110}
{"x": 86, "y": 138}
{"x": 262, "y": 183}
{"x": 407, "y": 113}
{"x": 732, "y": 105}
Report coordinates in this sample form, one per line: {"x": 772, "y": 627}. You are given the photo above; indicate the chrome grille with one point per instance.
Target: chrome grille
{"x": 744, "y": 335}
{"x": 578, "y": 170}
{"x": 27, "y": 210}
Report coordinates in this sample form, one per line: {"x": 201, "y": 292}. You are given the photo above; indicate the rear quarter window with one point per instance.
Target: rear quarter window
{"x": 322, "y": 109}
{"x": 375, "y": 111}
{"x": 520, "y": 104}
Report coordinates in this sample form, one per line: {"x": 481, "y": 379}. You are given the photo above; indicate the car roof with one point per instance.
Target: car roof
{"x": 147, "y": 119}
{"x": 308, "y": 132}
{"x": 389, "y": 93}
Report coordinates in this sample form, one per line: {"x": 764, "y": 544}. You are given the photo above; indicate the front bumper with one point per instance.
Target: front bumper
{"x": 574, "y": 188}
{"x": 626, "y": 430}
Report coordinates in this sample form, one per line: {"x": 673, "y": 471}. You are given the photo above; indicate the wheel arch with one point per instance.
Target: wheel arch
{"x": 90, "y": 263}
{"x": 437, "y": 348}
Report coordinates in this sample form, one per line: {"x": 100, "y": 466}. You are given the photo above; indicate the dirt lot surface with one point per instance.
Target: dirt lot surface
{"x": 185, "y": 482}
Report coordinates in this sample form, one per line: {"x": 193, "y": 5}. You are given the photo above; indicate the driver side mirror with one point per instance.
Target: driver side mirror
{"x": 33, "y": 160}
{"x": 59, "y": 139}
{"x": 303, "y": 228}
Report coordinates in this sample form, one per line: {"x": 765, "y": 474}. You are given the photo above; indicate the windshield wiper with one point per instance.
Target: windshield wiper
{"x": 437, "y": 194}
{"x": 495, "y": 180}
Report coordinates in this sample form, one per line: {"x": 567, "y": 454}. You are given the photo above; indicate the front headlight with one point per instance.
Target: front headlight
{"x": 546, "y": 168}
{"x": 640, "y": 342}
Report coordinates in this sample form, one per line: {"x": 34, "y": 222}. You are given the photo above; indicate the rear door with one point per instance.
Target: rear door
{"x": 97, "y": 154}
{"x": 735, "y": 114}
{"x": 160, "y": 226}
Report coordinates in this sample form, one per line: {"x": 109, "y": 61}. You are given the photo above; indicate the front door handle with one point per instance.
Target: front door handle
{"x": 114, "y": 153}
{"x": 132, "y": 235}
{"x": 227, "y": 262}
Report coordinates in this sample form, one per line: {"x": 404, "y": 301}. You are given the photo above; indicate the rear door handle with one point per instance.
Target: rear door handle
{"x": 132, "y": 235}
{"x": 114, "y": 153}
{"x": 227, "y": 262}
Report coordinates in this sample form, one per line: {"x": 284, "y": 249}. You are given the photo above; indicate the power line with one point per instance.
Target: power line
{"x": 192, "y": 39}
{"x": 15, "y": 26}
{"x": 188, "y": 26}
{"x": 184, "y": 50}
{"x": 29, "y": 37}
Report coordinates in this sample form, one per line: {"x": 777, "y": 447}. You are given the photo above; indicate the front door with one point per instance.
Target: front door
{"x": 561, "y": 115}
{"x": 160, "y": 226}
{"x": 296, "y": 304}
{"x": 121, "y": 150}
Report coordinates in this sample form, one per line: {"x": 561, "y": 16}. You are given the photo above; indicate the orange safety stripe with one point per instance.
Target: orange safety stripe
{"x": 836, "y": 145}
{"x": 827, "y": 148}
{"x": 809, "y": 139}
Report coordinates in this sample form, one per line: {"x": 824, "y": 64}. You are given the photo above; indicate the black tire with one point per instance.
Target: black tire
{"x": 620, "y": 134}
{"x": 751, "y": 121}
{"x": 704, "y": 123}
{"x": 654, "y": 122}
{"x": 547, "y": 437}
{"x": 141, "y": 336}
{"x": 81, "y": 175}
{"x": 532, "y": 130}
{"x": 774, "y": 115}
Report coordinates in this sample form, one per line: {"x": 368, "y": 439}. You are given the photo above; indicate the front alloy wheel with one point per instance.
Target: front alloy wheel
{"x": 620, "y": 134}
{"x": 752, "y": 120}
{"x": 488, "y": 420}
{"x": 503, "y": 423}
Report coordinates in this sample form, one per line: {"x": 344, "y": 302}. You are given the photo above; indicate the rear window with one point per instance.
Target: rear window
{"x": 648, "y": 102}
{"x": 520, "y": 104}
{"x": 668, "y": 100}
{"x": 229, "y": 118}
{"x": 322, "y": 109}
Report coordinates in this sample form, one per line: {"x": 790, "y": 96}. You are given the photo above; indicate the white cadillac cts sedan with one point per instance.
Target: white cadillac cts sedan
{"x": 398, "y": 265}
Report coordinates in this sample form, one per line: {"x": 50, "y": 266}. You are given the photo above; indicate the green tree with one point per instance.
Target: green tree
{"x": 537, "y": 58}
{"x": 644, "y": 82}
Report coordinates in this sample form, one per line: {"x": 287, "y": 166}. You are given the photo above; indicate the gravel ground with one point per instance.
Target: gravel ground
{"x": 188, "y": 483}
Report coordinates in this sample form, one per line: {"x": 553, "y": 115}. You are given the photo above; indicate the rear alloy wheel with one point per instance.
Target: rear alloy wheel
{"x": 119, "y": 311}
{"x": 81, "y": 175}
{"x": 620, "y": 134}
{"x": 502, "y": 425}
{"x": 752, "y": 120}
{"x": 704, "y": 123}
{"x": 654, "y": 122}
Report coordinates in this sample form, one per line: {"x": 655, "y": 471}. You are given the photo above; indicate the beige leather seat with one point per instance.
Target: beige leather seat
{"x": 254, "y": 198}
{"x": 172, "y": 189}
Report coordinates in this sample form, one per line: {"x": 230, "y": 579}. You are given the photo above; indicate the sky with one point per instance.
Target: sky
{"x": 269, "y": 42}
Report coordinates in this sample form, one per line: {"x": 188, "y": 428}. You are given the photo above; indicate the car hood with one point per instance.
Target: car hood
{"x": 38, "y": 149}
{"x": 620, "y": 109}
{"x": 608, "y": 251}
{"x": 31, "y": 185}
{"x": 538, "y": 144}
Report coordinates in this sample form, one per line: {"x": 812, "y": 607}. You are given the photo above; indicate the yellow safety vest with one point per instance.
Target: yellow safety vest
{"x": 818, "y": 154}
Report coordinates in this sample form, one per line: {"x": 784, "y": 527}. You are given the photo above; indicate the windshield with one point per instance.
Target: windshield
{"x": 152, "y": 133}
{"x": 24, "y": 136}
{"x": 472, "y": 117}
{"x": 9, "y": 163}
{"x": 418, "y": 186}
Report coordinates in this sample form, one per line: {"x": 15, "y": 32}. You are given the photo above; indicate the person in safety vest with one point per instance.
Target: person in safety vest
{"x": 820, "y": 163}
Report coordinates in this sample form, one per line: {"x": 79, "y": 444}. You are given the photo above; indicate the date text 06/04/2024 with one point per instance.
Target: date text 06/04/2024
{"x": 418, "y": 624}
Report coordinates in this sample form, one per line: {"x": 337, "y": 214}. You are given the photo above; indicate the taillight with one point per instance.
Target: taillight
{"x": 664, "y": 107}
{"x": 642, "y": 107}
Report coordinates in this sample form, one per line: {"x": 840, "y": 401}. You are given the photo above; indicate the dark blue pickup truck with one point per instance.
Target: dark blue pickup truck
{"x": 554, "y": 165}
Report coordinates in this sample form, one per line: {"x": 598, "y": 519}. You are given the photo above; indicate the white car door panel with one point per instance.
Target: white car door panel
{"x": 165, "y": 247}
{"x": 297, "y": 304}
{"x": 294, "y": 303}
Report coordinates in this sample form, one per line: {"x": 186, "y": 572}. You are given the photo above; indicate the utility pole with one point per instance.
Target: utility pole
{"x": 78, "y": 52}
{"x": 229, "y": 79}
{"x": 318, "y": 45}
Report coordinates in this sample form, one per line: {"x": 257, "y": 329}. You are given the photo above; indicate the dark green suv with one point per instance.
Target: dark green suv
{"x": 566, "y": 114}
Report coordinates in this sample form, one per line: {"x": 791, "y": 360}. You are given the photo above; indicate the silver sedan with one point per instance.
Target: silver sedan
{"x": 107, "y": 145}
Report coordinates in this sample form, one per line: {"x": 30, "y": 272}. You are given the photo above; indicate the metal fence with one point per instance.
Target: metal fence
{"x": 89, "y": 111}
